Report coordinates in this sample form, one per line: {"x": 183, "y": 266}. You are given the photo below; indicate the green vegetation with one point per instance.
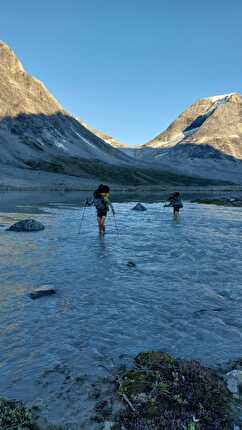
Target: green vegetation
{"x": 163, "y": 393}
{"x": 14, "y": 416}
{"x": 220, "y": 202}
{"x": 123, "y": 175}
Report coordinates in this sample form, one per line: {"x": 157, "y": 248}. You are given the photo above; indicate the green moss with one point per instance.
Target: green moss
{"x": 14, "y": 416}
{"x": 154, "y": 360}
{"x": 123, "y": 175}
{"x": 219, "y": 202}
{"x": 192, "y": 426}
{"x": 166, "y": 393}
{"x": 235, "y": 364}
{"x": 162, "y": 387}
{"x": 135, "y": 382}
{"x": 178, "y": 398}
{"x": 151, "y": 410}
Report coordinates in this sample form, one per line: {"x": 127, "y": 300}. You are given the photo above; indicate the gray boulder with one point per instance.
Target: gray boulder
{"x": 27, "y": 225}
{"x": 234, "y": 382}
{"x": 139, "y": 207}
{"x": 45, "y": 290}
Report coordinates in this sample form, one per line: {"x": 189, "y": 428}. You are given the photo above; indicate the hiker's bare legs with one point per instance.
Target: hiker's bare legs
{"x": 101, "y": 224}
{"x": 175, "y": 212}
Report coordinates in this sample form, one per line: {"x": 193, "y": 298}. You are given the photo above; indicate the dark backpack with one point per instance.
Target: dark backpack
{"x": 99, "y": 202}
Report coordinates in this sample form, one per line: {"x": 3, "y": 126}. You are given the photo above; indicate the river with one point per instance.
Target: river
{"x": 184, "y": 296}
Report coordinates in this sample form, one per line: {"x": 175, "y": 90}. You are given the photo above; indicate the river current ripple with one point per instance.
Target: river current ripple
{"x": 184, "y": 296}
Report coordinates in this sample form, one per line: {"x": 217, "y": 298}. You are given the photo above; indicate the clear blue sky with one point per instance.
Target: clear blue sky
{"x": 128, "y": 67}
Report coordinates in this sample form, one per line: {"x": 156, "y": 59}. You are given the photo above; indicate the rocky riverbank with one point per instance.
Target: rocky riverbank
{"x": 158, "y": 392}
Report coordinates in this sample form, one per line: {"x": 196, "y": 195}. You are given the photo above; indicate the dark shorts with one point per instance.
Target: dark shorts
{"x": 101, "y": 213}
{"x": 177, "y": 208}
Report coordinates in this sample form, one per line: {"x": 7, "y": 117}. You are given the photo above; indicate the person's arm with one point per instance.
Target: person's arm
{"x": 169, "y": 203}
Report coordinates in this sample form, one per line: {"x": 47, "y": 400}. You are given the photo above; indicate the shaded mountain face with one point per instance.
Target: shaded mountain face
{"x": 35, "y": 129}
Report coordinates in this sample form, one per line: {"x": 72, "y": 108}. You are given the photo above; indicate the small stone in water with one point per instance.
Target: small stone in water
{"x": 45, "y": 290}
{"x": 139, "y": 207}
{"x": 131, "y": 264}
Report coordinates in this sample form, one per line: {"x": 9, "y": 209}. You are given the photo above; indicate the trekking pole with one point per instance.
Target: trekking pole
{"x": 82, "y": 218}
{"x": 116, "y": 225}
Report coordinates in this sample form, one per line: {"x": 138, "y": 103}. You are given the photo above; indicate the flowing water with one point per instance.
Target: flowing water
{"x": 184, "y": 296}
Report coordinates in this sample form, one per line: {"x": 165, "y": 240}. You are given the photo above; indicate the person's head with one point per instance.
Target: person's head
{"x": 103, "y": 188}
{"x": 176, "y": 194}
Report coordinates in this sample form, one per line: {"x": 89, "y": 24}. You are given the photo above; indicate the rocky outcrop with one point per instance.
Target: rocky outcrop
{"x": 161, "y": 392}
{"x": 27, "y": 225}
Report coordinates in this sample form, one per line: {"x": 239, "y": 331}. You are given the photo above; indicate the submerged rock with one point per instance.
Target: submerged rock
{"x": 42, "y": 291}
{"x": 27, "y": 225}
{"x": 131, "y": 264}
{"x": 139, "y": 207}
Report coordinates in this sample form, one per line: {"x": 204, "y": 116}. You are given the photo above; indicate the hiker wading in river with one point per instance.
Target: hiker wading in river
{"x": 175, "y": 201}
{"x": 102, "y": 203}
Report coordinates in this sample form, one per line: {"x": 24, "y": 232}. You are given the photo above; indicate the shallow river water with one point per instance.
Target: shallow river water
{"x": 184, "y": 296}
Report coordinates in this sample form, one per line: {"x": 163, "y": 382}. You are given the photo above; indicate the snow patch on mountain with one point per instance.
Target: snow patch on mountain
{"x": 221, "y": 97}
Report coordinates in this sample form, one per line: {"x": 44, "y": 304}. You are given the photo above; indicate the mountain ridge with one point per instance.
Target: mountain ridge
{"x": 38, "y": 136}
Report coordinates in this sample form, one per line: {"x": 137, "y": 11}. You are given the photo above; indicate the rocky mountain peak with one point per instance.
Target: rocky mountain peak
{"x": 20, "y": 93}
{"x": 197, "y": 117}
{"x": 235, "y": 98}
{"x": 8, "y": 59}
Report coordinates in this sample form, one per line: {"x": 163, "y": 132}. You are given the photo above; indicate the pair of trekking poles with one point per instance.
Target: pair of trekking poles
{"x": 83, "y": 214}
